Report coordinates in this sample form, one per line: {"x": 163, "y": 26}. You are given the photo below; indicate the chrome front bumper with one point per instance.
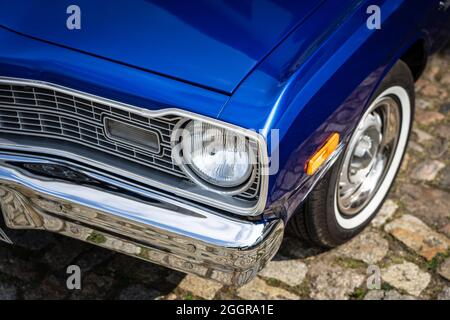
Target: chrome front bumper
{"x": 36, "y": 193}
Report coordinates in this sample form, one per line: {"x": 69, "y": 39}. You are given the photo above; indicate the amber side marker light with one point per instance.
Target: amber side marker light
{"x": 322, "y": 154}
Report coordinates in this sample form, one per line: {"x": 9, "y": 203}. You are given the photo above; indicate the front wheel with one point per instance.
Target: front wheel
{"x": 352, "y": 191}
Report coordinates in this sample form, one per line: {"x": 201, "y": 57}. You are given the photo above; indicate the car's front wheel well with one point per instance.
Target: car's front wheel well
{"x": 416, "y": 58}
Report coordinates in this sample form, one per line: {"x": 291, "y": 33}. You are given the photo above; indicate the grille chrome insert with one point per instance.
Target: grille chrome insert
{"x": 131, "y": 134}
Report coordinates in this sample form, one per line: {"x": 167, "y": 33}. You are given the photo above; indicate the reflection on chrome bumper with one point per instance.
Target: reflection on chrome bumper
{"x": 40, "y": 194}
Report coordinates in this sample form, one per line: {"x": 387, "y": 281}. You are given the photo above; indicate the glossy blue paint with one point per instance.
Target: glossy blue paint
{"x": 211, "y": 43}
{"x": 23, "y": 57}
{"x": 313, "y": 74}
{"x": 321, "y": 79}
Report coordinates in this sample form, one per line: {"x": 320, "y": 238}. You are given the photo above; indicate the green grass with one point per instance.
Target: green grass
{"x": 434, "y": 263}
{"x": 304, "y": 289}
{"x": 96, "y": 238}
{"x": 358, "y": 294}
{"x": 273, "y": 282}
{"x": 188, "y": 296}
{"x": 386, "y": 286}
{"x": 350, "y": 263}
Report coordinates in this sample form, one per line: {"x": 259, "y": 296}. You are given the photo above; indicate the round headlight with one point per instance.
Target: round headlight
{"x": 216, "y": 155}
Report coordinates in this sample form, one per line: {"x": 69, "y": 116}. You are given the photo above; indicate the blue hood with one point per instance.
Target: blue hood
{"x": 214, "y": 44}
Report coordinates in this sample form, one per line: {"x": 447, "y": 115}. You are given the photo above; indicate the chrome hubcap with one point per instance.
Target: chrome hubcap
{"x": 368, "y": 156}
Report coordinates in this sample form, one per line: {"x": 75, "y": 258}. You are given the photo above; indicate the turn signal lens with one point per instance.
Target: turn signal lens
{"x": 322, "y": 154}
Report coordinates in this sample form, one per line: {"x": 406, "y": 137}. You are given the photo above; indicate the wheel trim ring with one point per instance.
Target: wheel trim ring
{"x": 405, "y": 120}
{"x": 358, "y": 193}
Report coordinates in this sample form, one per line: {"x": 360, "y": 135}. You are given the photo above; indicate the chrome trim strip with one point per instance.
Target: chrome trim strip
{"x": 264, "y": 183}
{"x": 49, "y": 154}
{"x": 3, "y": 236}
{"x": 139, "y": 223}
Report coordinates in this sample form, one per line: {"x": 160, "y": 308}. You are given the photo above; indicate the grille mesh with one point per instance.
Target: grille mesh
{"x": 58, "y": 115}
{"x": 27, "y": 109}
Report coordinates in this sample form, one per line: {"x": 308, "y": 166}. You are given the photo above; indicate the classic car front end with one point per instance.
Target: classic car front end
{"x": 153, "y": 132}
{"x": 135, "y": 207}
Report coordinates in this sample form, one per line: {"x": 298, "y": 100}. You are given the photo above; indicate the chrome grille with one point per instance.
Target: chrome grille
{"x": 37, "y": 111}
{"x": 55, "y": 114}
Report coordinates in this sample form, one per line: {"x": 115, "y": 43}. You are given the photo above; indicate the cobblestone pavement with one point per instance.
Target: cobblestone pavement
{"x": 408, "y": 243}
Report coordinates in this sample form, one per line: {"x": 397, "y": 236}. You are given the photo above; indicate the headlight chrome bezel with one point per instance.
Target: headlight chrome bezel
{"x": 183, "y": 161}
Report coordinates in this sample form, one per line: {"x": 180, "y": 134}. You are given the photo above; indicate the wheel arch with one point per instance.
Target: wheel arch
{"x": 416, "y": 57}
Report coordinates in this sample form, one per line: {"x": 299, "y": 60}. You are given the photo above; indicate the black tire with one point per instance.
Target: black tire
{"x": 315, "y": 221}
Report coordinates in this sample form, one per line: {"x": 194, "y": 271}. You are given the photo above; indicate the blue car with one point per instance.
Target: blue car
{"x": 194, "y": 134}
